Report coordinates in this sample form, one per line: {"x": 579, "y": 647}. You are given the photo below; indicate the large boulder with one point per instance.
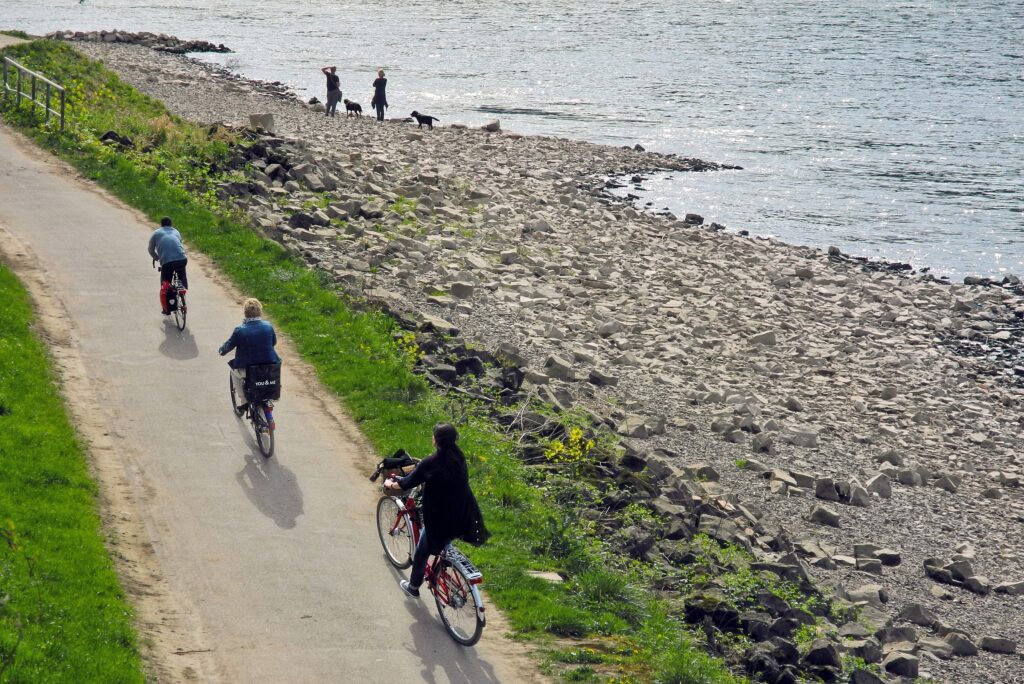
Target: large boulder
{"x": 264, "y": 121}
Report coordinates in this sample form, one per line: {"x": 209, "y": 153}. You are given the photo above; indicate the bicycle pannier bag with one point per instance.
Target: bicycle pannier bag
{"x": 263, "y": 382}
{"x": 170, "y": 296}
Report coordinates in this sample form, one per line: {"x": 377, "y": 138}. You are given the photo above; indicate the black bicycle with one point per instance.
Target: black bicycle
{"x": 176, "y": 302}
{"x": 262, "y": 387}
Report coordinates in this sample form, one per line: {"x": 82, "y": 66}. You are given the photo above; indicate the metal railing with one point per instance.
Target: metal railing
{"x": 39, "y": 83}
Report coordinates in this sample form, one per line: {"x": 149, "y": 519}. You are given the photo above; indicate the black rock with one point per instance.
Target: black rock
{"x": 471, "y": 364}
{"x": 723, "y": 616}
{"x": 445, "y": 372}
{"x": 785, "y": 651}
{"x": 300, "y": 220}
{"x": 756, "y": 625}
{"x": 823, "y": 653}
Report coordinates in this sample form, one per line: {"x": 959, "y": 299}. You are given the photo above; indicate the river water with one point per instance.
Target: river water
{"x": 888, "y": 129}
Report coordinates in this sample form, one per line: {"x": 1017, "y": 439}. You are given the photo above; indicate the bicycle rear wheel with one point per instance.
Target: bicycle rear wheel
{"x": 458, "y": 604}
{"x": 180, "y": 311}
{"x": 264, "y": 431}
{"x": 394, "y": 528}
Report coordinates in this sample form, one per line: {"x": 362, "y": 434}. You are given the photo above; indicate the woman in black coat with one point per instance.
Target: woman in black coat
{"x": 449, "y": 509}
{"x": 380, "y": 100}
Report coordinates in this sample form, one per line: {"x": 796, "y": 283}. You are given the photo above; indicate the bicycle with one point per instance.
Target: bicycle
{"x": 451, "y": 577}
{"x": 176, "y": 303}
{"x": 262, "y": 386}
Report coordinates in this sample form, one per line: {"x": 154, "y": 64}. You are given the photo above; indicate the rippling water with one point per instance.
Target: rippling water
{"x": 892, "y": 129}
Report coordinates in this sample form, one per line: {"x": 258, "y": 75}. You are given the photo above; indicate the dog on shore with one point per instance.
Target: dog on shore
{"x": 353, "y": 108}
{"x": 424, "y": 119}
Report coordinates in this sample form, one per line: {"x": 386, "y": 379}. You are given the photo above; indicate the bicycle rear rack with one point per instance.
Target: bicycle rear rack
{"x": 456, "y": 558}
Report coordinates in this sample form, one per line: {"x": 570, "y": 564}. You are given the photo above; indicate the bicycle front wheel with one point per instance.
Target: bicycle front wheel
{"x": 263, "y": 429}
{"x": 458, "y": 604}
{"x": 395, "y": 531}
{"x": 180, "y": 312}
{"x": 236, "y": 405}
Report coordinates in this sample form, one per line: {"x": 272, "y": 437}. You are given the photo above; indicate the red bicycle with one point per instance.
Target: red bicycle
{"x": 451, "y": 577}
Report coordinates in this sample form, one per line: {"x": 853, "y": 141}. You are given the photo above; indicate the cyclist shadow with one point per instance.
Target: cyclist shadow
{"x": 272, "y": 488}
{"x": 178, "y": 344}
{"x": 459, "y": 665}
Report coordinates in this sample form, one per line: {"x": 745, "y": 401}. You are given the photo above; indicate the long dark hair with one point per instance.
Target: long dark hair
{"x": 445, "y": 437}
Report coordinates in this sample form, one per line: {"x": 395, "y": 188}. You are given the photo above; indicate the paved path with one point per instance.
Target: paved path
{"x": 7, "y": 41}
{"x": 273, "y": 567}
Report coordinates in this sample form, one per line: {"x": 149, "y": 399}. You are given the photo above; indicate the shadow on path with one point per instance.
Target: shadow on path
{"x": 438, "y": 654}
{"x": 271, "y": 487}
{"x": 178, "y": 344}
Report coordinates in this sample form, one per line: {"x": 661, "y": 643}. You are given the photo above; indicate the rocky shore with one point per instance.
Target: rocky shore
{"x": 852, "y": 420}
{"x": 155, "y": 41}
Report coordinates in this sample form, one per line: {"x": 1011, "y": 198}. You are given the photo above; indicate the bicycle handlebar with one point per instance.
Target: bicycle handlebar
{"x": 400, "y": 460}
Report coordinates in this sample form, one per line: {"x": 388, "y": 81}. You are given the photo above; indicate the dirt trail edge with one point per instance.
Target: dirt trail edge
{"x": 241, "y": 569}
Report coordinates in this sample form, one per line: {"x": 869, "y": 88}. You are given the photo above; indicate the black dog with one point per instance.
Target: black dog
{"x": 353, "y": 108}
{"x": 424, "y": 119}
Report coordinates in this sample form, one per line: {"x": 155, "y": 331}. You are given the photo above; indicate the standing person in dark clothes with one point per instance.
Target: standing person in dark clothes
{"x": 449, "y": 509}
{"x": 380, "y": 100}
{"x": 333, "y": 89}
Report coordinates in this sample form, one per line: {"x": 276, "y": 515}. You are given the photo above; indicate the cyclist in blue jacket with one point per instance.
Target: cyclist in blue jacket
{"x": 165, "y": 246}
{"x": 253, "y": 341}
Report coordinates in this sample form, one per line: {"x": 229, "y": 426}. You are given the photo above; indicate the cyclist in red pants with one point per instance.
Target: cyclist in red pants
{"x": 165, "y": 246}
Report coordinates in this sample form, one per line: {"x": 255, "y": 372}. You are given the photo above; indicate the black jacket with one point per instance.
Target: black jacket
{"x": 450, "y": 510}
{"x": 379, "y": 98}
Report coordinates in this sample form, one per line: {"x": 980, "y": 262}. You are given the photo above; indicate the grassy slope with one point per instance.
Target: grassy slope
{"x": 356, "y": 355}
{"x": 61, "y": 590}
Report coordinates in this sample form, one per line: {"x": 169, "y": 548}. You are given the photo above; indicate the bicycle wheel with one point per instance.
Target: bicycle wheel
{"x": 395, "y": 531}
{"x": 264, "y": 432}
{"x": 180, "y": 311}
{"x": 236, "y": 406}
{"x": 458, "y": 604}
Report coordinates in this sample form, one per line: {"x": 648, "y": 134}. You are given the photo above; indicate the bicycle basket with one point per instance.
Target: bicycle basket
{"x": 398, "y": 464}
{"x": 263, "y": 382}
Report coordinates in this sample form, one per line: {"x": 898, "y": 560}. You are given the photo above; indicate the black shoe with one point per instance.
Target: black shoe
{"x": 409, "y": 590}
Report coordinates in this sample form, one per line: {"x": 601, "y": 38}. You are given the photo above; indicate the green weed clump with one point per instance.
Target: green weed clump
{"x": 363, "y": 357}
{"x": 63, "y": 617}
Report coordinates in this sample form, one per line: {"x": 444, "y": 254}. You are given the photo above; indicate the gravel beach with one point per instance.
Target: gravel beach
{"x": 803, "y": 378}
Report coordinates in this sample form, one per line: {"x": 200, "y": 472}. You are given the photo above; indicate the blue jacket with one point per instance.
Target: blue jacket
{"x": 165, "y": 245}
{"x": 253, "y": 342}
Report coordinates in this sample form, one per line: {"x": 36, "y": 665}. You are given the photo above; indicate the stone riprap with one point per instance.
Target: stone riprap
{"x": 156, "y": 41}
{"x": 883, "y": 409}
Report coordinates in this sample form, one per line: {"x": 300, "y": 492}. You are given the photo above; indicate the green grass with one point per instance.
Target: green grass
{"x": 16, "y": 34}
{"x": 367, "y": 361}
{"x": 59, "y": 594}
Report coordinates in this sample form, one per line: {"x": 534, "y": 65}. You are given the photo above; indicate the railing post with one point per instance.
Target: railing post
{"x": 5, "y": 80}
{"x": 18, "y": 102}
{"x": 61, "y": 110}
{"x": 33, "y": 107}
{"x": 47, "y": 117}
